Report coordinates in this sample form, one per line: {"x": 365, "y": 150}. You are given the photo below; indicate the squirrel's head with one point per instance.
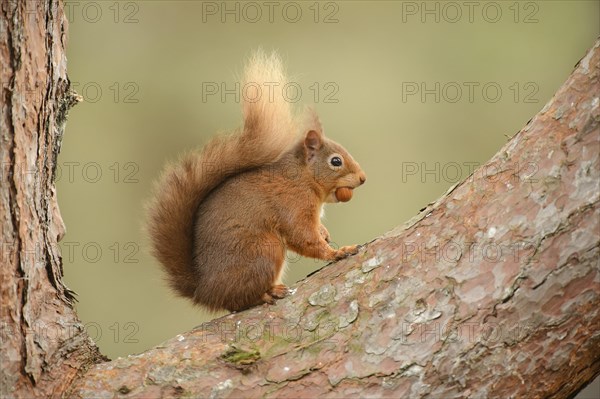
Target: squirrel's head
{"x": 332, "y": 166}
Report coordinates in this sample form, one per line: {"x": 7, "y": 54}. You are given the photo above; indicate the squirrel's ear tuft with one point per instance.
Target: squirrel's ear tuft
{"x": 312, "y": 143}
{"x": 312, "y": 120}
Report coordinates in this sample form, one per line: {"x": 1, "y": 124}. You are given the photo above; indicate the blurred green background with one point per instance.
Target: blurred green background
{"x": 418, "y": 92}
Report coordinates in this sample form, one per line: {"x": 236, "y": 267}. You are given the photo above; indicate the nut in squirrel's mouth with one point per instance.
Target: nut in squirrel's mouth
{"x": 344, "y": 194}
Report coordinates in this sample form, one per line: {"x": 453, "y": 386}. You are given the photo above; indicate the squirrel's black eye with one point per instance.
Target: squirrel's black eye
{"x": 336, "y": 161}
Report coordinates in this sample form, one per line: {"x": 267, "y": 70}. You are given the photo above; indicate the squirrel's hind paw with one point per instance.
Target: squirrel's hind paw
{"x": 279, "y": 291}
{"x": 267, "y": 298}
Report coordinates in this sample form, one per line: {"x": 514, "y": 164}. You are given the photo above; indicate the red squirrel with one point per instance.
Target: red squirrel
{"x": 223, "y": 217}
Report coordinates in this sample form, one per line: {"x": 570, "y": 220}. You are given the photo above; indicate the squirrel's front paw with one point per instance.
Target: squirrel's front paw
{"x": 346, "y": 251}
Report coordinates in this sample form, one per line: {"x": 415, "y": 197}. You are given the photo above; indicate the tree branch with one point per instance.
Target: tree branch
{"x": 43, "y": 343}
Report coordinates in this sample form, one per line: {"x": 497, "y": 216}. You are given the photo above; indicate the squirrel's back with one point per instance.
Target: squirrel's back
{"x": 267, "y": 133}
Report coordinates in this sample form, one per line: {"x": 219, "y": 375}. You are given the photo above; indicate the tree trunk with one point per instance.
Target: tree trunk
{"x": 43, "y": 344}
{"x": 491, "y": 291}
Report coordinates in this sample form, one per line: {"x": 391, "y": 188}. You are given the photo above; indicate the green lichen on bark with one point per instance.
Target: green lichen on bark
{"x": 239, "y": 357}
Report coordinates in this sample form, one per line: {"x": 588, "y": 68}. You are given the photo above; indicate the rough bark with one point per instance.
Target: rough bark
{"x": 43, "y": 344}
{"x": 491, "y": 291}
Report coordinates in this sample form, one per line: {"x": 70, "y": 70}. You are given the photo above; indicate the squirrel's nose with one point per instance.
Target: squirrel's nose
{"x": 363, "y": 178}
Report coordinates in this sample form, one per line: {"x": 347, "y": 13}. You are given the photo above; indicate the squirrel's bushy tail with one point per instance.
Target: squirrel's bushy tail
{"x": 267, "y": 133}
